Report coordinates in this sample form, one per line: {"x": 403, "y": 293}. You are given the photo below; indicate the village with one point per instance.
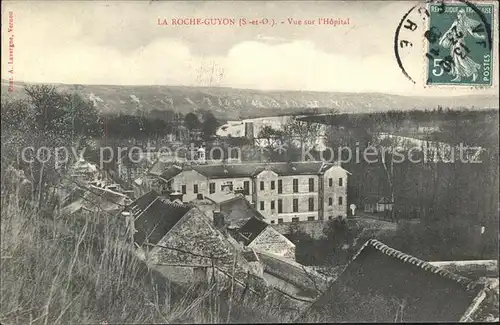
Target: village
{"x": 172, "y": 162}
{"x": 196, "y": 220}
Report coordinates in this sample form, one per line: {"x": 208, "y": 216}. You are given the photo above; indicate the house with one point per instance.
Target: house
{"x": 375, "y": 204}
{"x": 292, "y": 277}
{"x": 181, "y": 240}
{"x": 484, "y": 271}
{"x": 258, "y": 234}
{"x": 381, "y": 284}
{"x": 244, "y": 223}
{"x": 84, "y": 171}
{"x": 187, "y": 245}
{"x": 132, "y": 166}
{"x": 282, "y": 192}
{"x": 238, "y": 211}
{"x": 97, "y": 199}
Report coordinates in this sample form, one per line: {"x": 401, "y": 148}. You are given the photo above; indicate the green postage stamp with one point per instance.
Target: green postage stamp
{"x": 460, "y": 42}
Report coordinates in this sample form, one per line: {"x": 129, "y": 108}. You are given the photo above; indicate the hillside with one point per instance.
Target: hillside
{"x": 234, "y": 103}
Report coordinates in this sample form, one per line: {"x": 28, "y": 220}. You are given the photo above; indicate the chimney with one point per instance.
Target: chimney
{"x": 219, "y": 222}
{"x": 175, "y": 196}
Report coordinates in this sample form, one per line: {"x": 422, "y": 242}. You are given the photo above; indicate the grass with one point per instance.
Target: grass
{"x": 80, "y": 269}
{"x": 64, "y": 270}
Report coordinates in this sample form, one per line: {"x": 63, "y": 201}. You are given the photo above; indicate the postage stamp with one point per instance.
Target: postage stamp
{"x": 460, "y": 40}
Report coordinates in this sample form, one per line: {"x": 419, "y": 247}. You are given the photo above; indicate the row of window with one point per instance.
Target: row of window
{"x": 297, "y": 219}
{"x": 246, "y": 186}
{"x": 330, "y": 200}
{"x": 295, "y": 204}
{"x": 295, "y": 185}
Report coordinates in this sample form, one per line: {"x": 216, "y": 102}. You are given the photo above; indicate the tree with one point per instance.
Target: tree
{"x": 301, "y": 133}
{"x": 209, "y": 125}
{"x": 192, "y": 122}
{"x": 48, "y": 119}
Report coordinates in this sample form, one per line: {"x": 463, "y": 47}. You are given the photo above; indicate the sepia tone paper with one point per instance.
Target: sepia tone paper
{"x": 249, "y": 161}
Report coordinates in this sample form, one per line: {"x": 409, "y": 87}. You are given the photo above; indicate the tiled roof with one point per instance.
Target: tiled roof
{"x": 252, "y": 228}
{"x": 372, "y": 199}
{"x": 171, "y": 171}
{"x": 154, "y": 221}
{"x": 466, "y": 282}
{"x": 159, "y": 167}
{"x": 238, "y": 211}
{"x": 293, "y": 272}
{"x": 193, "y": 241}
{"x": 95, "y": 198}
{"x": 227, "y": 171}
{"x": 378, "y": 275}
{"x": 252, "y": 169}
{"x": 145, "y": 200}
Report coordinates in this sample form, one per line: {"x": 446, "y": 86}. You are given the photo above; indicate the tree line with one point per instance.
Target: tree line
{"x": 158, "y": 124}
{"x": 456, "y": 202}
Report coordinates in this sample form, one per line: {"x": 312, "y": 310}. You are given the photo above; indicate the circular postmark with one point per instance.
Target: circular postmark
{"x": 451, "y": 41}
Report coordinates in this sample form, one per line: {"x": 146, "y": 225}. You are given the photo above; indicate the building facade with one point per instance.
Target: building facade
{"x": 281, "y": 192}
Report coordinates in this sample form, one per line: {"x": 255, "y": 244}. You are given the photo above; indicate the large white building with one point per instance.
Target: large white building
{"x": 282, "y": 192}
{"x": 251, "y": 128}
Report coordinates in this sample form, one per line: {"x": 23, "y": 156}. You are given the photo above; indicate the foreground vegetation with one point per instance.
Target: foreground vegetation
{"x": 58, "y": 269}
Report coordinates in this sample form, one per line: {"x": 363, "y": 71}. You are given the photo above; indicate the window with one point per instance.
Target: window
{"x": 296, "y": 219}
{"x": 261, "y": 185}
{"x": 295, "y": 205}
{"x": 272, "y": 185}
{"x": 280, "y": 220}
{"x": 272, "y": 205}
{"x": 295, "y": 185}
{"x": 246, "y": 188}
{"x": 280, "y": 206}
{"x": 330, "y": 182}
{"x": 330, "y": 201}
{"x": 261, "y": 205}
{"x": 311, "y": 184}
{"x": 311, "y": 204}
{"x": 272, "y": 221}
{"x": 195, "y": 188}
{"x": 340, "y": 181}
{"x": 280, "y": 186}
{"x": 183, "y": 189}
{"x": 340, "y": 200}
{"x": 310, "y": 218}
{"x": 211, "y": 188}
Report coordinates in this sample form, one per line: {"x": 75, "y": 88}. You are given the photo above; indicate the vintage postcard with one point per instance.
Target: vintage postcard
{"x": 249, "y": 162}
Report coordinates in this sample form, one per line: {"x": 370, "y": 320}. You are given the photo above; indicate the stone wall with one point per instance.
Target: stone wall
{"x": 312, "y": 228}
{"x": 294, "y": 273}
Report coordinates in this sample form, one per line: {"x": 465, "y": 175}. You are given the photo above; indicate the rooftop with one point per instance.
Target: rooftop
{"x": 93, "y": 198}
{"x": 379, "y": 281}
{"x": 213, "y": 171}
{"x": 252, "y": 228}
{"x": 154, "y": 216}
{"x": 238, "y": 211}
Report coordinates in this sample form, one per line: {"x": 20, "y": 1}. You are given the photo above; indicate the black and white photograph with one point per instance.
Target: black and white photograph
{"x": 217, "y": 162}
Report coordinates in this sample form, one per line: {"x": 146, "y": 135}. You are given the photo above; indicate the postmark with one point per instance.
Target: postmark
{"x": 460, "y": 42}
{"x": 447, "y": 43}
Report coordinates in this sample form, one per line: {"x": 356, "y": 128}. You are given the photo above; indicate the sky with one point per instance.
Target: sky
{"x": 121, "y": 43}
